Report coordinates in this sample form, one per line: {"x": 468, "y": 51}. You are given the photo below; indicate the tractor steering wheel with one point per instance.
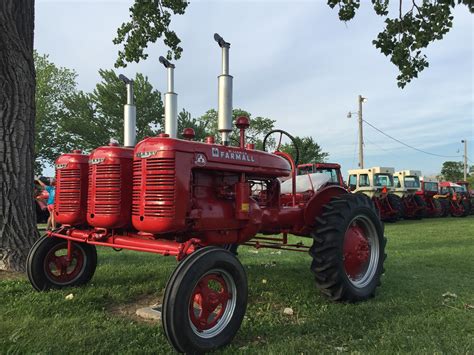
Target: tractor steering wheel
{"x": 277, "y": 149}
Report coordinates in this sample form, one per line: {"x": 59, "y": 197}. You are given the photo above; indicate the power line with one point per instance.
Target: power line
{"x": 410, "y": 146}
{"x": 376, "y": 145}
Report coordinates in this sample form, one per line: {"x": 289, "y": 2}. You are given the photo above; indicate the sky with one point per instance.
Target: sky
{"x": 296, "y": 63}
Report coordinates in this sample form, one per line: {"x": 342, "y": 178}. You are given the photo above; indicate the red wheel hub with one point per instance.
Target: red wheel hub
{"x": 356, "y": 251}
{"x": 59, "y": 268}
{"x": 208, "y": 301}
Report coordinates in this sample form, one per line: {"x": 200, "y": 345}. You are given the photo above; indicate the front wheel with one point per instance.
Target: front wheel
{"x": 348, "y": 249}
{"x": 205, "y": 301}
{"x": 48, "y": 266}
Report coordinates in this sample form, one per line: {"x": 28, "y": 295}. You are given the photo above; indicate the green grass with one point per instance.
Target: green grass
{"x": 426, "y": 259}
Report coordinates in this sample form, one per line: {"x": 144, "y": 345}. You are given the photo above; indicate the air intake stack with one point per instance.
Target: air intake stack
{"x": 129, "y": 115}
{"x": 171, "y": 101}
{"x": 225, "y": 92}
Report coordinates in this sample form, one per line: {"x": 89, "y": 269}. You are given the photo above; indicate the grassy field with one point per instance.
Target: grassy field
{"x": 425, "y": 304}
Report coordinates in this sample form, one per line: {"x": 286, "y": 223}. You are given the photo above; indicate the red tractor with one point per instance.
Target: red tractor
{"x": 188, "y": 199}
{"x": 468, "y": 194}
{"x": 311, "y": 178}
{"x": 429, "y": 193}
{"x": 457, "y": 202}
{"x": 332, "y": 170}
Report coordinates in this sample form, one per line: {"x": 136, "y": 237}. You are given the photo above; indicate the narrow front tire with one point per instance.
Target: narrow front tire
{"x": 48, "y": 266}
{"x": 205, "y": 301}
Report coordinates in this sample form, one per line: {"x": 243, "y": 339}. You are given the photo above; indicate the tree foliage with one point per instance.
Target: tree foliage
{"x": 310, "y": 151}
{"x": 92, "y": 119}
{"x": 149, "y": 20}
{"x": 54, "y": 86}
{"x": 69, "y": 119}
{"x": 452, "y": 171}
{"x": 409, "y": 31}
{"x": 186, "y": 121}
{"x": 259, "y": 126}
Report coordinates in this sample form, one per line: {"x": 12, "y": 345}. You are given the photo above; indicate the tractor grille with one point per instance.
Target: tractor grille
{"x": 136, "y": 186}
{"x": 68, "y": 191}
{"x": 104, "y": 189}
{"x": 154, "y": 197}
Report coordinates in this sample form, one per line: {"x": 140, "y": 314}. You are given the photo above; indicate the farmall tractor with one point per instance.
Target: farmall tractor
{"x": 407, "y": 184}
{"x": 377, "y": 184}
{"x": 435, "y": 207}
{"x": 456, "y": 200}
{"x": 188, "y": 199}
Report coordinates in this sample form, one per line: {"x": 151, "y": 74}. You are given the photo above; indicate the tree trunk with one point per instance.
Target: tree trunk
{"x": 17, "y": 121}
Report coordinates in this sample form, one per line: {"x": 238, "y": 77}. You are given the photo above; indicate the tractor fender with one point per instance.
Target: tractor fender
{"x": 322, "y": 197}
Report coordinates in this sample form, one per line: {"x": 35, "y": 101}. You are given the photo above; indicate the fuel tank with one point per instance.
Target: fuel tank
{"x": 110, "y": 187}
{"x": 71, "y": 188}
{"x": 164, "y": 171}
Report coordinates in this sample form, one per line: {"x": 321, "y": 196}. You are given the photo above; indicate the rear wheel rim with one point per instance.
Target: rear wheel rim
{"x": 361, "y": 251}
{"x": 212, "y": 303}
{"x": 61, "y": 271}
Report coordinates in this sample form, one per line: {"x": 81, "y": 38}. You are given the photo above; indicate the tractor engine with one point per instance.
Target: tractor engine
{"x": 190, "y": 188}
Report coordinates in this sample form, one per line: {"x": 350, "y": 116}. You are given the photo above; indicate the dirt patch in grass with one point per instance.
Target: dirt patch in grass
{"x": 11, "y": 275}
{"x": 128, "y": 310}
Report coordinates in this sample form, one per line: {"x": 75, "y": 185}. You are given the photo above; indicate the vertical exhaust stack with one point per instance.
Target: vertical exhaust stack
{"x": 171, "y": 101}
{"x": 225, "y": 92}
{"x": 129, "y": 115}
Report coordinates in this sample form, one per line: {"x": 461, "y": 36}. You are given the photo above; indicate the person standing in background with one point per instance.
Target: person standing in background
{"x": 51, "y": 188}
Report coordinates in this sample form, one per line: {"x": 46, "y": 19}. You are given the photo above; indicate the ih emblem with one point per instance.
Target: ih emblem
{"x": 200, "y": 159}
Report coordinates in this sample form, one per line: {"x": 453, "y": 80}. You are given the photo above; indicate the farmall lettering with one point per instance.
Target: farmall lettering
{"x": 231, "y": 155}
{"x": 144, "y": 155}
{"x": 96, "y": 161}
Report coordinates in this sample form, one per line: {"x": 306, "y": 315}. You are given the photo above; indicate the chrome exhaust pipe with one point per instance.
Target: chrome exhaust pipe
{"x": 171, "y": 101}
{"x": 129, "y": 115}
{"x": 224, "y": 93}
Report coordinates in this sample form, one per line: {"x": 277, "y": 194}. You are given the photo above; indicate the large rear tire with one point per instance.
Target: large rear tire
{"x": 420, "y": 203}
{"x": 396, "y": 204}
{"x": 462, "y": 209}
{"x": 445, "y": 206}
{"x": 349, "y": 249}
{"x": 438, "y": 208}
{"x": 205, "y": 301}
{"x": 48, "y": 268}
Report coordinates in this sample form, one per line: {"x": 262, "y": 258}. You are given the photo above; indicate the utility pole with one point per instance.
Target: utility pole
{"x": 361, "y": 135}
{"x": 360, "y": 100}
{"x": 465, "y": 158}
